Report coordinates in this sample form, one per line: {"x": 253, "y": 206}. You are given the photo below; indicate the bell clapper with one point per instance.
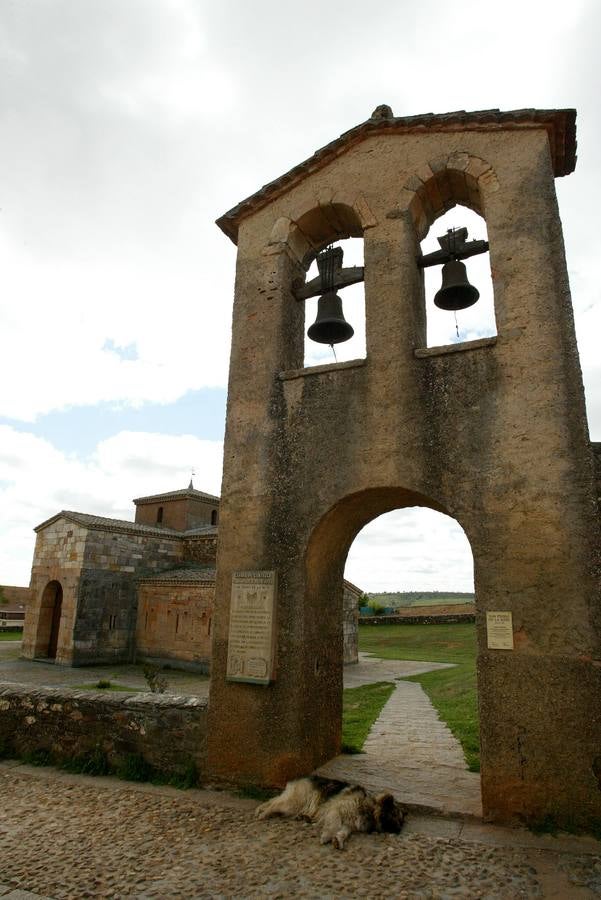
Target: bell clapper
{"x": 334, "y": 352}
{"x": 456, "y": 325}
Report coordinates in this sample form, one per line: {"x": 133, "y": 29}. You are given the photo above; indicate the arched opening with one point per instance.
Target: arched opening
{"x": 49, "y": 621}
{"x": 417, "y": 752}
{"x": 159, "y": 515}
{"x": 477, "y": 321}
{"x": 307, "y": 234}
{"x": 353, "y": 303}
{"x": 214, "y": 517}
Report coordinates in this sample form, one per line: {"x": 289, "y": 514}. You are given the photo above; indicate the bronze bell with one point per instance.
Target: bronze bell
{"x": 456, "y": 291}
{"x": 330, "y": 326}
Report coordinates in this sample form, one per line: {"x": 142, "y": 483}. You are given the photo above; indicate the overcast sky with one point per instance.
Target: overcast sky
{"x": 128, "y": 126}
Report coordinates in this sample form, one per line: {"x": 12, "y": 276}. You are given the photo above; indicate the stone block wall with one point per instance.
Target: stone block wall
{"x": 16, "y": 596}
{"x": 201, "y": 550}
{"x": 174, "y": 623}
{"x": 106, "y": 596}
{"x": 58, "y": 556}
{"x": 167, "y": 731}
{"x": 350, "y": 613}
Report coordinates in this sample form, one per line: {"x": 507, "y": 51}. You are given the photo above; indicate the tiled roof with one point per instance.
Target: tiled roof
{"x": 196, "y": 574}
{"x": 560, "y": 125}
{"x": 201, "y": 531}
{"x": 104, "y": 523}
{"x": 192, "y": 493}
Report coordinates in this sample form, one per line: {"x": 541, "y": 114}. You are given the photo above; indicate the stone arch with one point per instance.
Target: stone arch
{"x": 49, "y": 621}
{"x": 325, "y": 557}
{"x": 312, "y": 226}
{"x": 442, "y": 183}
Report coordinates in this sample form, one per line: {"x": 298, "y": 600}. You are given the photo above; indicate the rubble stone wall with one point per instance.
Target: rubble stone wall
{"x": 168, "y": 731}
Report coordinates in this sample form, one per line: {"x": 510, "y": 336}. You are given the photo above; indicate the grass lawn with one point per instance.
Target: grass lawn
{"x": 452, "y": 691}
{"x": 360, "y": 708}
{"x": 11, "y": 635}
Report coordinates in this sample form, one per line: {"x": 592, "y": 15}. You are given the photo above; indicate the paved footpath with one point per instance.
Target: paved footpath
{"x": 410, "y": 751}
{"x": 69, "y": 837}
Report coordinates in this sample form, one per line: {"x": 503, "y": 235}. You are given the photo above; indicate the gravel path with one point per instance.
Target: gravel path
{"x": 65, "y": 836}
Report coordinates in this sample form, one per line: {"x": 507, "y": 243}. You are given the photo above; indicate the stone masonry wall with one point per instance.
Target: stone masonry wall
{"x": 167, "y": 731}
{"x": 201, "y": 550}
{"x": 58, "y": 556}
{"x": 174, "y": 623}
{"x": 350, "y": 613}
{"x": 107, "y": 609}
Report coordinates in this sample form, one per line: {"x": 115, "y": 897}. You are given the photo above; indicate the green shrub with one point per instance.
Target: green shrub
{"x": 38, "y": 757}
{"x": 133, "y": 767}
{"x": 103, "y": 685}
{"x": 94, "y": 762}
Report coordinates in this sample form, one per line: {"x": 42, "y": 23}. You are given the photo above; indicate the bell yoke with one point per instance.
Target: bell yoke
{"x": 330, "y": 326}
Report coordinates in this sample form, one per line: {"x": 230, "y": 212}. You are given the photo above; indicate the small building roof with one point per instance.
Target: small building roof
{"x": 186, "y": 493}
{"x": 184, "y": 575}
{"x": 560, "y": 125}
{"x": 104, "y": 523}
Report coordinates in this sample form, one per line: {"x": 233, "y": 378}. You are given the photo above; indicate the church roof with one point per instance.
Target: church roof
{"x": 560, "y": 125}
{"x": 185, "y": 575}
{"x": 104, "y": 523}
{"x": 189, "y": 492}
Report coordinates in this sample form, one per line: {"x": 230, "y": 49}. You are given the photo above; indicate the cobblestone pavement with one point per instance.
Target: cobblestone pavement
{"x": 70, "y": 837}
{"x": 410, "y": 752}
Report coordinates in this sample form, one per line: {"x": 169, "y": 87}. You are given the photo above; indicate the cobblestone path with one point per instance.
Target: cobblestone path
{"x": 412, "y": 753}
{"x": 70, "y": 837}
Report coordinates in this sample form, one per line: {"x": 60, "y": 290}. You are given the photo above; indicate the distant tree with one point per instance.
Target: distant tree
{"x": 363, "y": 600}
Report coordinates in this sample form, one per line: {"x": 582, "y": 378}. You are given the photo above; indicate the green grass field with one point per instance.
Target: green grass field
{"x": 360, "y": 708}
{"x": 453, "y": 692}
{"x": 11, "y": 635}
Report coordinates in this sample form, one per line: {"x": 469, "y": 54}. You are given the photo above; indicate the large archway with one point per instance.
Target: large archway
{"x": 410, "y": 717}
{"x": 325, "y": 560}
{"x": 49, "y": 622}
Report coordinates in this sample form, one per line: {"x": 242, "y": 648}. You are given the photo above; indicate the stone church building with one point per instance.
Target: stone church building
{"x": 110, "y": 590}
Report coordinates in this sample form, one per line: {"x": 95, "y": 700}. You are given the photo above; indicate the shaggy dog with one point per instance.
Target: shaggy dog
{"x": 340, "y": 809}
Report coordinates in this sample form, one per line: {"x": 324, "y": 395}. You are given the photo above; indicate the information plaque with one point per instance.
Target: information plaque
{"x": 251, "y": 634}
{"x": 499, "y": 630}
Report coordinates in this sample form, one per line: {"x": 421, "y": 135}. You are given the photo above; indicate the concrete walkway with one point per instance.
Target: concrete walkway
{"x": 409, "y": 751}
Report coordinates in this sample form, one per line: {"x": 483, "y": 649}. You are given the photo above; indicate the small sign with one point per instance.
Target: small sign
{"x": 499, "y": 630}
{"x": 251, "y": 634}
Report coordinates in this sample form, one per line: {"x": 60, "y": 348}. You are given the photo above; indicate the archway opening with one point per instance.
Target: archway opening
{"x": 353, "y": 304}
{"x": 50, "y": 621}
{"x": 477, "y": 321}
{"x": 417, "y": 650}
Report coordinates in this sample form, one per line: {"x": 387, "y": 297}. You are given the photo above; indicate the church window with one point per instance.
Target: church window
{"x": 159, "y": 515}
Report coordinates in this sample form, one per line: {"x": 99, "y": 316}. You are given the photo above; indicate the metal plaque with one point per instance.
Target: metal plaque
{"x": 251, "y": 634}
{"x": 499, "y": 630}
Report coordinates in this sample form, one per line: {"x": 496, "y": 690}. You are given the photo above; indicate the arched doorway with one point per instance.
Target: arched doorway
{"x": 50, "y": 620}
{"x": 410, "y": 716}
{"x": 325, "y": 561}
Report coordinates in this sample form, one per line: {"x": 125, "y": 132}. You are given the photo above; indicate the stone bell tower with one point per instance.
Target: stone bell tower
{"x": 492, "y": 432}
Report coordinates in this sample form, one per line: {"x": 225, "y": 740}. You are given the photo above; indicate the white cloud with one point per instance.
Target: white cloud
{"x": 411, "y": 549}
{"x": 37, "y": 480}
{"x": 128, "y": 127}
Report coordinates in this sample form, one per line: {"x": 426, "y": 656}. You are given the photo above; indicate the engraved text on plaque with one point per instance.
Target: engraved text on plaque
{"x": 499, "y": 630}
{"x": 251, "y": 633}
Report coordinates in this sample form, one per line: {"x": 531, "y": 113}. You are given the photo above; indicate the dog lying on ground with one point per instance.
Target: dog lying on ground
{"x": 340, "y": 809}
